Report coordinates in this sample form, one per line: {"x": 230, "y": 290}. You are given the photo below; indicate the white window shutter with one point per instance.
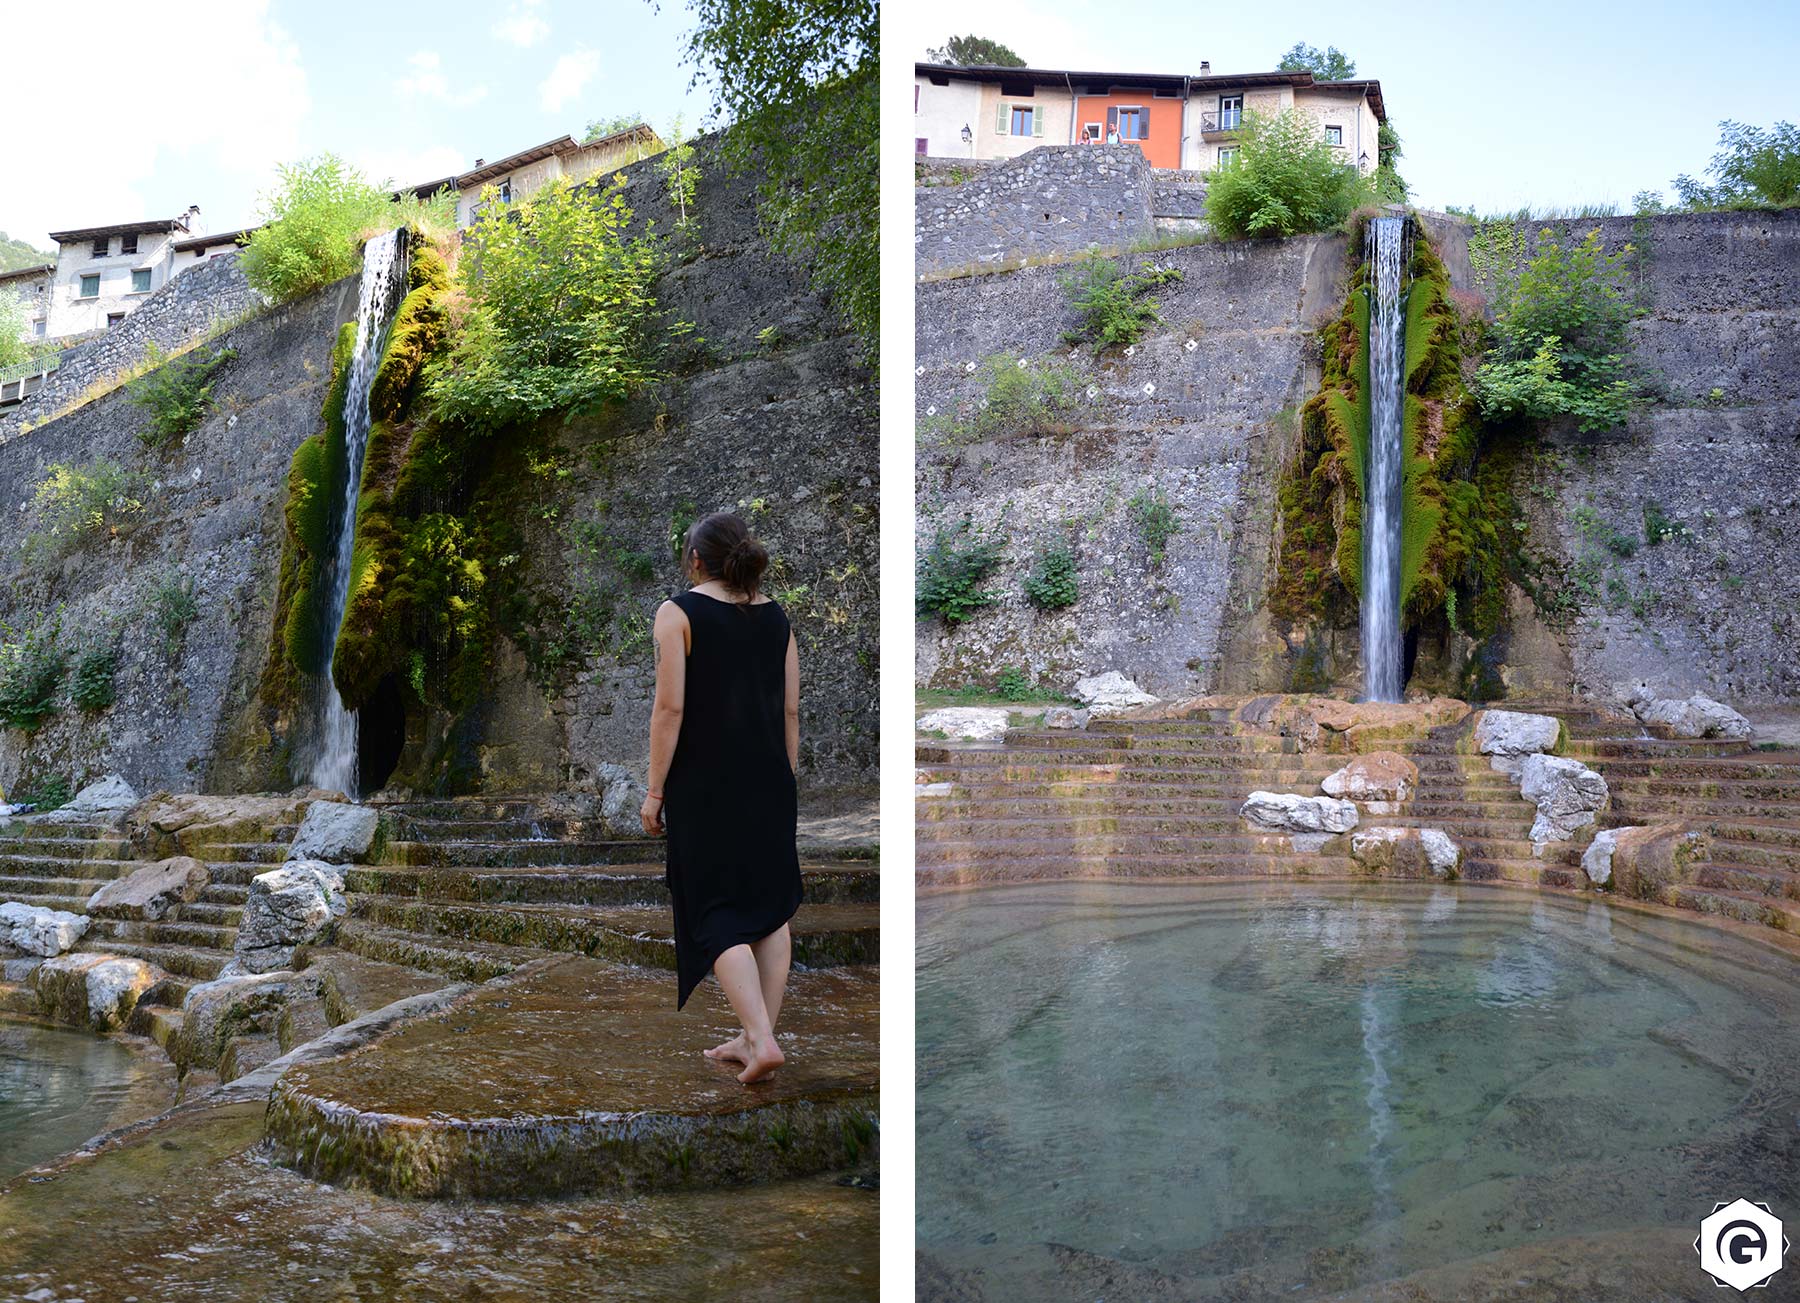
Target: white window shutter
{"x": 1003, "y": 123}
{"x": 1037, "y": 119}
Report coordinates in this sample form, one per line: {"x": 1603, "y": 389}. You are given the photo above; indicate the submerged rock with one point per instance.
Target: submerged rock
{"x": 1286, "y": 812}
{"x": 100, "y": 802}
{"x": 156, "y": 891}
{"x": 335, "y": 832}
{"x": 96, "y": 991}
{"x": 39, "y": 931}
{"x": 1378, "y": 781}
{"x": 974, "y": 723}
{"x": 1111, "y": 693}
{"x": 288, "y": 907}
{"x": 1510, "y": 735}
{"x": 1697, "y": 717}
{"x": 1567, "y": 793}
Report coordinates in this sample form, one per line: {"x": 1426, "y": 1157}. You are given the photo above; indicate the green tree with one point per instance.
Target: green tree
{"x": 681, "y": 178}
{"x": 315, "y": 221}
{"x": 600, "y": 128}
{"x": 559, "y": 296}
{"x": 15, "y": 320}
{"x": 1329, "y": 64}
{"x": 1753, "y": 168}
{"x": 800, "y": 80}
{"x": 975, "y": 52}
{"x": 16, "y": 255}
{"x": 1285, "y": 181}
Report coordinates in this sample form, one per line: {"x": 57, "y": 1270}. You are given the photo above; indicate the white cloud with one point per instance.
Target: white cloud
{"x": 521, "y": 26}
{"x": 426, "y": 80}
{"x": 570, "y": 74}
{"x": 226, "y": 129}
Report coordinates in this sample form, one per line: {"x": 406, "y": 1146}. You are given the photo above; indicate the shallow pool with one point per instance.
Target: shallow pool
{"x": 1252, "y": 1091}
{"x": 57, "y": 1089}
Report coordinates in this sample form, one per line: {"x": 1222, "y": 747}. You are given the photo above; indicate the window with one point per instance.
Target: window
{"x": 1019, "y": 120}
{"x": 113, "y": 319}
{"x": 1227, "y": 155}
{"x": 1334, "y": 136}
{"x": 919, "y": 145}
{"x": 1231, "y": 112}
{"x": 1134, "y": 124}
{"x": 37, "y": 328}
{"x": 128, "y": 244}
{"x": 1023, "y": 115}
{"x": 140, "y": 281}
{"x": 90, "y": 286}
{"x": 506, "y": 192}
{"x": 102, "y": 247}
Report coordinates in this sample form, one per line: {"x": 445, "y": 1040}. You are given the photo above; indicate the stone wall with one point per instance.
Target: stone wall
{"x": 1203, "y": 410}
{"x": 1056, "y": 200}
{"x": 184, "y": 309}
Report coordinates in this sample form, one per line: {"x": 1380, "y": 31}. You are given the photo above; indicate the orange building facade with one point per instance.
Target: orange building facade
{"x": 1150, "y": 119}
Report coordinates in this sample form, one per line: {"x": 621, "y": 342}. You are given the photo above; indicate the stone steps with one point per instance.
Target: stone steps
{"x": 1745, "y": 907}
{"x": 1749, "y": 880}
{"x": 177, "y": 932}
{"x": 618, "y": 884}
{"x": 459, "y": 959}
{"x": 200, "y": 963}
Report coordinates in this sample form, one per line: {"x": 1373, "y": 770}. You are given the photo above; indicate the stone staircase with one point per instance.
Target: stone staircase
{"x": 1143, "y": 797}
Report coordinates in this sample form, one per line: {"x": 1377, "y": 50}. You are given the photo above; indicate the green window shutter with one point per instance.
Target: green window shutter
{"x": 1003, "y": 123}
{"x": 1037, "y": 119}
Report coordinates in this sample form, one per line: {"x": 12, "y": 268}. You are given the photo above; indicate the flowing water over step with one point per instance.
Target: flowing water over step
{"x": 1330, "y": 1087}
{"x": 1385, "y": 250}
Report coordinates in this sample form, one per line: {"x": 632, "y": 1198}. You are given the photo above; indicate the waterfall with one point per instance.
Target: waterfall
{"x": 1385, "y": 250}
{"x": 331, "y": 761}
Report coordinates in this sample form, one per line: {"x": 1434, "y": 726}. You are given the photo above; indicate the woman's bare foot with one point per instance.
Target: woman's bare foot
{"x": 761, "y": 1058}
{"x": 732, "y": 1051}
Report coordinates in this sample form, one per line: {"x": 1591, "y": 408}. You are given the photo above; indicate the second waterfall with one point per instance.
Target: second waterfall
{"x": 331, "y": 761}
{"x": 1385, "y": 251}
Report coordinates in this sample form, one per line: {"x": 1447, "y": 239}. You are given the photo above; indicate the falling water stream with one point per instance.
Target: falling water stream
{"x": 1385, "y": 250}
{"x": 333, "y": 760}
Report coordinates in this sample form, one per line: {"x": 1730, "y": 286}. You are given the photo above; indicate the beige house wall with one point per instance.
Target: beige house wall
{"x": 1058, "y": 108}
{"x": 1349, "y": 110}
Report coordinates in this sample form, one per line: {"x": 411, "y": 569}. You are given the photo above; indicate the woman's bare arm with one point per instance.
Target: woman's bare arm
{"x": 671, "y": 635}
{"x": 793, "y": 704}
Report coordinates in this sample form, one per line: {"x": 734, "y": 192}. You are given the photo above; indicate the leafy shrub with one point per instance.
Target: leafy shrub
{"x": 1559, "y": 337}
{"x": 952, "y": 570}
{"x": 316, "y": 220}
{"x": 74, "y": 503}
{"x": 1012, "y": 684}
{"x": 172, "y": 608}
{"x": 45, "y": 794}
{"x": 93, "y": 686}
{"x": 1659, "y": 526}
{"x": 1112, "y": 303}
{"x": 1019, "y": 397}
{"x": 177, "y": 394}
{"x": 1053, "y": 582}
{"x": 560, "y": 302}
{"x": 1753, "y": 168}
{"x": 32, "y": 665}
{"x": 1284, "y": 181}
{"x": 1154, "y": 517}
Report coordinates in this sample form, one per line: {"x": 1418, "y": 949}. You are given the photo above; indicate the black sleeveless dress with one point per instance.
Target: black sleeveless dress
{"x": 730, "y": 802}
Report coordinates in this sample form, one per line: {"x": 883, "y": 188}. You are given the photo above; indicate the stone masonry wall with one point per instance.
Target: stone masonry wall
{"x": 184, "y": 309}
{"x": 1057, "y": 199}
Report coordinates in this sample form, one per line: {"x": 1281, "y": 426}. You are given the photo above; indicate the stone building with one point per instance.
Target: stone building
{"x": 197, "y": 249}
{"x": 1179, "y": 120}
{"x": 518, "y": 175}
{"x": 104, "y": 272}
{"x": 32, "y": 286}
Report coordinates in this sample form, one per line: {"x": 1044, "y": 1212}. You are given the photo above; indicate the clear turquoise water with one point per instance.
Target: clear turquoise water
{"x": 57, "y": 1089}
{"x": 1247, "y": 1091}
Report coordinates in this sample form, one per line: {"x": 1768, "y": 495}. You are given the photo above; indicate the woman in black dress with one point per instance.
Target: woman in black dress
{"x": 724, "y": 748}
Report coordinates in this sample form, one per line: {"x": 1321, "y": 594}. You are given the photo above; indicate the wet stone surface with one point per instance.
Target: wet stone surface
{"x": 574, "y": 1075}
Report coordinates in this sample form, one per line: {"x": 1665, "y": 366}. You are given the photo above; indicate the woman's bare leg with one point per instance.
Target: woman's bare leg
{"x": 738, "y": 976}
{"x": 774, "y": 956}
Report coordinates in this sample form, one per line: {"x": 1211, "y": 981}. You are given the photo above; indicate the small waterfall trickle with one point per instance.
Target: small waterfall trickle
{"x": 1385, "y": 250}
{"x": 332, "y": 757}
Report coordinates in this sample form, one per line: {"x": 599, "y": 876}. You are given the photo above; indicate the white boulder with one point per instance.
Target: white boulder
{"x": 156, "y": 891}
{"x": 100, "y": 802}
{"x": 1111, "y": 693}
{"x": 1286, "y": 812}
{"x": 973, "y": 723}
{"x": 1065, "y": 717}
{"x": 335, "y": 832}
{"x": 287, "y": 908}
{"x": 1567, "y": 793}
{"x": 1510, "y": 735}
{"x": 622, "y": 796}
{"x": 1379, "y": 781}
{"x": 1411, "y": 852}
{"x": 39, "y": 931}
{"x": 1597, "y": 859}
{"x": 1698, "y": 716}
{"x": 93, "y": 990}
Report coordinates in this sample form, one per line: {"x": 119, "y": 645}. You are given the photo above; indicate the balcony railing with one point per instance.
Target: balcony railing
{"x": 1221, "y": 123}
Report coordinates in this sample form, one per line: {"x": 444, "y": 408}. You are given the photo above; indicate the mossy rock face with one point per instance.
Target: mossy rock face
{"x": 1457, "y": 535}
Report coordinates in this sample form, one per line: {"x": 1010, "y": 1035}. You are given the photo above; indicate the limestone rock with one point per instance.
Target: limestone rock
{"x": 216, "y": 1011}
{"x": 288, "y": 907}
{"x": 100, "y": 802}
{"x": 621, "y": 800}
{"x": 1441, "y": 851}
{"x": 93, "y": 990}
{"x": 1406, "y": 852}
{"x": 1698, "y": 716}
{"x": 156, "y": 891}
{"x": 1597, "y": 859}
{"x": 975, "y": 723}
{"x": 39, "y": 931}
{"x": 1378, "y": 781}
{"x": 1111, "y": 693}
{"x": 1649, "y": 862}
{"x": 1065, "y": 717}
{"x": 181, "y": 823}
{"x": 334, "y": 832}
{"x": 1327, "y": 724}
{"x": 1286, "y": 812}
{"x": 1510, "y": 735}
{"x": 1567, "y": 793}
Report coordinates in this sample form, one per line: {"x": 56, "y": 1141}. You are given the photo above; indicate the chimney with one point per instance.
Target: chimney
{"x": 1206, "y": 67}
{"x": 481, "y": 162}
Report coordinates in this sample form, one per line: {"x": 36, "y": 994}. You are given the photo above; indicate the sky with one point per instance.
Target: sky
{"x": 1498, "y": 105}
{"x": 230, "y": 89}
